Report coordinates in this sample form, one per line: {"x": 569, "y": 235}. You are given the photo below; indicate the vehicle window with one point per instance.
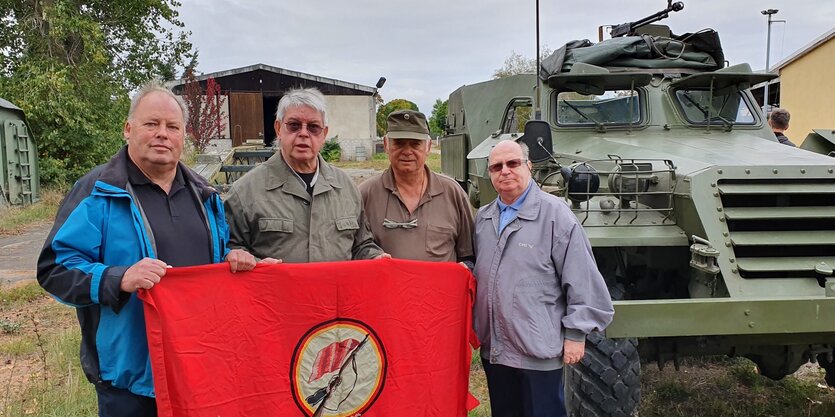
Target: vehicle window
{"x": 698, "y": 106}
{"x": 620, "y": 107}
{"x": 517, "y": 114}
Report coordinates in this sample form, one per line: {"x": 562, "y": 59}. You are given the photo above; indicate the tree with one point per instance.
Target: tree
{"x": 70, "y": 64}
{"x": 437, "y": 120}
{"x": 386, "y": 109}
{"x": 518, "y": 64}
{"x": 205, "y": 119}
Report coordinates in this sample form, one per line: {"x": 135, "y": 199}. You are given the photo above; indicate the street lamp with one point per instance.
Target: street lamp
{"x": 768, "y": 13}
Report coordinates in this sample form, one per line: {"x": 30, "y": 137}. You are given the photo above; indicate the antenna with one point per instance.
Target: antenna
{"x": 537, "y": 109}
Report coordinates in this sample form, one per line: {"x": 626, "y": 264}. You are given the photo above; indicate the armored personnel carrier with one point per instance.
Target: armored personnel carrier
{"x": 714, "y": 238}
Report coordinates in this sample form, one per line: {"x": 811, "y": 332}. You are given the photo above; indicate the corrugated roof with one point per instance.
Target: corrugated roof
{"x": 277, "y": 70}
{"x": 805, "y": 50}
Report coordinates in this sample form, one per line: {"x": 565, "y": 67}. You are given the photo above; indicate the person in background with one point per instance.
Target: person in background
{"x": 539, "y": 290}
{"x": 778, "y": 119}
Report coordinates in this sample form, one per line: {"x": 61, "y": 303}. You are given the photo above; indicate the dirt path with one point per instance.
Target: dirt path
{"x": 19, "y": 253}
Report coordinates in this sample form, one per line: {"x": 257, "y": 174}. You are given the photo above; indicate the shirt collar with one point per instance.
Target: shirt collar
{"x": 137, "y": 177}
{"x": 518, "y": 203}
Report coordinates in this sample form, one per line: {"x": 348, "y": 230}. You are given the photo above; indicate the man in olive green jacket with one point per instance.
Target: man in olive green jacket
{"x": 296, "y": 207}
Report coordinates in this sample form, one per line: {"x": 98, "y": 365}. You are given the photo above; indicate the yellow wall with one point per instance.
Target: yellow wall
{"x": 807, "y": 91}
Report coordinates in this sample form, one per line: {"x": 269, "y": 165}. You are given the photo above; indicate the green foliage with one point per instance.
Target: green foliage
{"x": 437, "y": 121}
{"x": 518, "y": 64}
{"x": 386, "y": 109}
{"x": 331, "y": 151}
{"x": 70, "y": 66}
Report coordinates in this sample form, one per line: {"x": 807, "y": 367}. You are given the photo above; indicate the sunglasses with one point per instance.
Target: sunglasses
{"x": 512, "y": 164}
{"x": 312, "y": 128}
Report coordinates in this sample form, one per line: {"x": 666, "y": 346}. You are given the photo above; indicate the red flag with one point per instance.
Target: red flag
{"x": 330, "y": 358}
{"x": 370, "y": 338}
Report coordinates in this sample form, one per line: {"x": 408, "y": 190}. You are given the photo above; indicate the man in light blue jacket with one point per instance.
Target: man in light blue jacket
{"x": 539, "y": 290}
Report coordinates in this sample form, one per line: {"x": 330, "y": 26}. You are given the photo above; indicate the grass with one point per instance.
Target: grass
{"x": 730, "y": 387}
{"x": 14, "y": 219}
{"x": 18, "y": 347}
{"x": 380, "y": 162}
{"x": 23, "y": 293}
{"x": 59, "y": 388}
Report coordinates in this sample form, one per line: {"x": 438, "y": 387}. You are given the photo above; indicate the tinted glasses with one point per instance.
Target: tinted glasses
{"x": 312, "y": 128}
{"x": 513, "y": 163}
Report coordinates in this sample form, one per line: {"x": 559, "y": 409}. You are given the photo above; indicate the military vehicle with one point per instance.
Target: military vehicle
{"x": 714, "y": 238}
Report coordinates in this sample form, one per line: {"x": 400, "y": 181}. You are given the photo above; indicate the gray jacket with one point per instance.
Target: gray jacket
{"x": 537, "y": 284}
{"x": 271, "y": 214}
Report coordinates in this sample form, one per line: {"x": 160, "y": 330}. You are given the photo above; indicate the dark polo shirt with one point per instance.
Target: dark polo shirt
{"x": 443, "y": 221}
{"x": 177, "y": 221}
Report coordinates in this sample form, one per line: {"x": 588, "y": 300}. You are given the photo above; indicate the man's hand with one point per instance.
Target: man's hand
{"x": 240, "y": 260}
{"x": 383, "y": 256}
{"x": 270, "y": 261}
{"x": 143, "y": 274}
{"x": 572, "y": 352}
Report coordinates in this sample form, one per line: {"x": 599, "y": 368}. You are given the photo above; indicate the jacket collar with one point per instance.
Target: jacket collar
{"x": 280, "y": 175}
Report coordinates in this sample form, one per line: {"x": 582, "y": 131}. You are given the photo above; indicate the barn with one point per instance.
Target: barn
{"x": 251, "y": 95}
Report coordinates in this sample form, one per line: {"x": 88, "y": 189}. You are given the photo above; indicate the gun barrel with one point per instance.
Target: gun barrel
{"x": 624, "y": 29}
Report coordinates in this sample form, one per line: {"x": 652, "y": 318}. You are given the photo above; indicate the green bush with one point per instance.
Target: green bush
{"x": 331, "y": 151}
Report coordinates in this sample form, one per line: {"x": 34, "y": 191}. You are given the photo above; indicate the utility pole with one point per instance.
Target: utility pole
{"x": 768, "y": 13}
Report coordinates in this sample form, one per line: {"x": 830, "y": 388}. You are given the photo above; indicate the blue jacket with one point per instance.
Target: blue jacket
{"x": 99, "y": 233}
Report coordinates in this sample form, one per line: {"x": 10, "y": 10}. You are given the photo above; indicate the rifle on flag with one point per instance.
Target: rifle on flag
{"x": 323, "y": 394}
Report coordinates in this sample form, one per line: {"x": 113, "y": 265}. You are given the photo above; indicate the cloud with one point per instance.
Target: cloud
{"x": 428, "y": 49}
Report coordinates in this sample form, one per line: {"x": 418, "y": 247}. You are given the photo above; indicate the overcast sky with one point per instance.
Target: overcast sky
{"x": 426, "y": 49}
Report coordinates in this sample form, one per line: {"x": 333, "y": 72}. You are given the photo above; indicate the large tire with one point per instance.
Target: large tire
{"x": 607, "y": 382}
{"x": 829, "y": 367}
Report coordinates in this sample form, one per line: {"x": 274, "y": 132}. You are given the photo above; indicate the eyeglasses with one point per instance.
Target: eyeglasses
{"x": 513, "y": 163}
{"x": 388, "y": 224}
{"x": 312, "y": 128}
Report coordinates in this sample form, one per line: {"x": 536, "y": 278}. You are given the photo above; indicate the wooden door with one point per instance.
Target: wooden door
{"x": 246, "y": 117}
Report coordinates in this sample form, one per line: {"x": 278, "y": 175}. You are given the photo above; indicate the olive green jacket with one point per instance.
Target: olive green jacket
{"x": 270, "y": 214}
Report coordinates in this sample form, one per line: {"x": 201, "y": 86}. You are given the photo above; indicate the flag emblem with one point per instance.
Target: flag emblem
{"x": 338, "y": 369}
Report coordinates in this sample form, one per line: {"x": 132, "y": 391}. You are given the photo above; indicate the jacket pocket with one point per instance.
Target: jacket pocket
{"x": 347, "y": 223}
{"x": 534, "y": 327}
{"x": 437, "y": 240}
{"x": 266, "y": 224}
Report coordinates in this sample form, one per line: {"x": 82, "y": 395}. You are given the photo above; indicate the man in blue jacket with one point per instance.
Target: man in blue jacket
{"x": 118, "y": 230}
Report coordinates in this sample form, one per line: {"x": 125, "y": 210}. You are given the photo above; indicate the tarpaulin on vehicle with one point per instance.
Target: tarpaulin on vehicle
{"x": 700, "y": 51}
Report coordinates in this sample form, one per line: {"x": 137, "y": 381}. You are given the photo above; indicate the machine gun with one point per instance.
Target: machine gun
{"x": 625, "y": 29}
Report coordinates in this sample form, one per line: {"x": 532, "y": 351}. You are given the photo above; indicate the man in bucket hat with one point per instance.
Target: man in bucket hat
{"x": 413, "y": 212}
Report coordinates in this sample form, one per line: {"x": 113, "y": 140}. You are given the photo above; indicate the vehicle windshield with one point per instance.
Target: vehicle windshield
{"x": 726, "y": 109}
{"x": 620, "y": 107}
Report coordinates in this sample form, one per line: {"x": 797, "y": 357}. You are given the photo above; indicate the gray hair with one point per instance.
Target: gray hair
{"x": 779, "y": 118}
{"x": 310, "y": 97}
{"x": 155, "y": 86}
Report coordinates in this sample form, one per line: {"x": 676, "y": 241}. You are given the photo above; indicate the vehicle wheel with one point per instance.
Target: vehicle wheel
{"x": 607, "y": 382}
{"x": 829, "y": 367}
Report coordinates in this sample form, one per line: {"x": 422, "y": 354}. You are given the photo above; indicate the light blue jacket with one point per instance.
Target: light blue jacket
{"x": 99, "y": 233}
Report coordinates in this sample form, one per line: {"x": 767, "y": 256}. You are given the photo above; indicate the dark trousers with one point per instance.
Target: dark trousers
{"x": 115, "y": 402}
{"x": 524, "y": 393}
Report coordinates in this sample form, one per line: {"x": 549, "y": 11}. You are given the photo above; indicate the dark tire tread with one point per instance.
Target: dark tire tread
{"x": 607, "y": 382}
